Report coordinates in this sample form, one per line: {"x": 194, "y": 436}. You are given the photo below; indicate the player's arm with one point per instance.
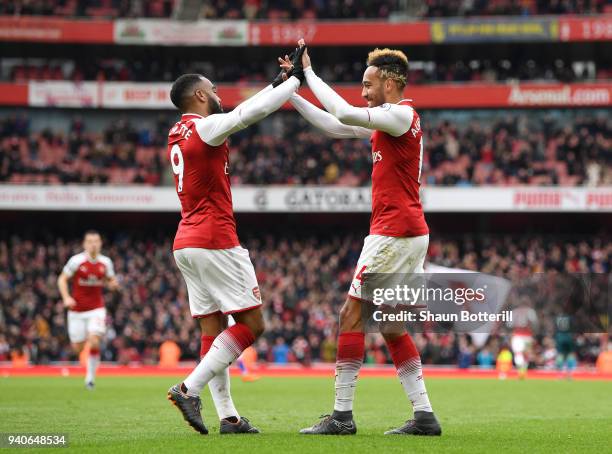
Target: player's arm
{"x": 326, "y": 121}
{"x": 254, "y": 97}
{"x": 62, "y": 284}
{"x": 390, "y": 118}
{"x": 111, "y": 279}
{"x": 214, "y": 129}
{"x": 112, "y": 283}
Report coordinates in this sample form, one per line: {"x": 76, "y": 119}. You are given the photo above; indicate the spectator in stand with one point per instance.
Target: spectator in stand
{"x": 281, "y": 351}
{"x": 513, "y": 150}
{"x": 139, "y": 70}
{"x": 301, "y": 280}
{"x": 304, "y": 9}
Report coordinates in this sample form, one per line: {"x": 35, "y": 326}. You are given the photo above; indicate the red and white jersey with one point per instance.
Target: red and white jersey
{"x": 88, "y": 279}
{"x": 396, "y": 175}
{"x": 202, "y": 183}
{"x": 523, "y": 319}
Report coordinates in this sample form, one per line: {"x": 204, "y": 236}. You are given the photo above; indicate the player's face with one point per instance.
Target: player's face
{"x": 206, "y": 92}
{"x": 375, "y": 87}
{"x": 92, "y": 244}
{"x": 214, "y": 102}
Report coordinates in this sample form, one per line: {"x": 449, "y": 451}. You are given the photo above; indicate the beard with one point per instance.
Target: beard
{"x": 215, "y": 106}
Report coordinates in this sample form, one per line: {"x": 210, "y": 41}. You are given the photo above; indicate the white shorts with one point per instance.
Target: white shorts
{"x": 520, "y": 343}
{"x": 218, "y": 280}
{"x": 388, "y": 254}
{"x": 83, "y": 324}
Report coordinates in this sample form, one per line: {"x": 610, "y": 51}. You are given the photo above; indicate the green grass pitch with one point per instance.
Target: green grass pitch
{"x": 132, "y": 415}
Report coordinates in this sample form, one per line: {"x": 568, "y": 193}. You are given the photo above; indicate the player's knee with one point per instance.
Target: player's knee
{"x": 78, "y": 347}
{"x": 391, "y": 337}
{"x": 94, "y": 342}
{"x": 350, "y": 317}
{"x": 253, "y": 319}
{"x": 258, "y": 326}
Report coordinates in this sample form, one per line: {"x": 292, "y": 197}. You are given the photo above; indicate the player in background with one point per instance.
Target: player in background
{"x": 90, "y": 271}
{"x": 399, "y": 235}
{"x": 564, "y": 343}
{"x": 524, "y": 322}
{"x": 218, "y": 272}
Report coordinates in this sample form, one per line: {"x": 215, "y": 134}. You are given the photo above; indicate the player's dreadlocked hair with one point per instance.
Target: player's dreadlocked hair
{"x": 392, "y": 64}
{"x": 181, "y": 89}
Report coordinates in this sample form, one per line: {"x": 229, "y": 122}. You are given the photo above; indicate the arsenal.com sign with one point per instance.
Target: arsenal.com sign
{"x": 566, "y": 95}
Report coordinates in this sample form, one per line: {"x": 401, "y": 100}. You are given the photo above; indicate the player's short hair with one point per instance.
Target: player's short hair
{"x": 392, "y": 64}
{"x": 91, "y": 232}
{"x": 181, "y": 89}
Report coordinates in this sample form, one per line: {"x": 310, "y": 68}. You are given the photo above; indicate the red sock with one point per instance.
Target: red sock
{"x": 94, "y": 351}
{"x": 205, "y": 344}
{"x": 351, "y": 347}
{"x": 403, "y": 351}
{"x": 349, "y": 358}
{"x": 237, "y": 338}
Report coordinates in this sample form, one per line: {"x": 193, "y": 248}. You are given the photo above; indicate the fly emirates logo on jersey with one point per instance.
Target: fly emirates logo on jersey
{"x": 91, "y": 281}
{"x": 415, "y": 130}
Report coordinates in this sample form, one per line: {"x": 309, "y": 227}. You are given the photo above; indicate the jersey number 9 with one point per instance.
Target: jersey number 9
{"x": 177, "y": 167}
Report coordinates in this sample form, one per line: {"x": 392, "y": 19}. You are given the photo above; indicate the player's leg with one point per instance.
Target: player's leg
{"x": 93, "y": 360}
{"x": 228, "y": 346}
{"x": 349, "y": 359}
{"x": 351, "y": 350}
{"x": 407, "y": 362}
{"x": 201, "y": 306}
{"x": 409, "y": 254}
{"x": 96, "y": 326}
{"x": 226, "y": 281}
{"x": 219, "y": 386}
{"x": 77, "y": 332}
{"x": 78, "y": 347}
{"x": 519, "y": 344}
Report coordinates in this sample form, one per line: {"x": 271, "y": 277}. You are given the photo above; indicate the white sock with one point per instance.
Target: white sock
{"x": 410, "y": 374}
{"x": 92, "y": 365}
{"x": 225, "y": 349}
{"x": 220, "y": 391}
{"x": 346, "y": 383}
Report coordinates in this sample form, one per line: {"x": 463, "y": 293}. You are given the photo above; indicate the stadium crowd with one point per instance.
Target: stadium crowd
{"x": 300, "y": 9}
{"x": 538, "y": 149}
{"x": 303, "y": 281}
{"x": 421, "y": 72}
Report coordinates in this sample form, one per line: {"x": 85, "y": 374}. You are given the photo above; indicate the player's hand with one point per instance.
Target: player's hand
{"x": 296, "y": 61}
{"x": 113, "y": 285}
{"x": 305, "y": 57}
{"x": 286, "y": 66}
{"x": 291, "y": 65}
{"x": 69, "y": 302}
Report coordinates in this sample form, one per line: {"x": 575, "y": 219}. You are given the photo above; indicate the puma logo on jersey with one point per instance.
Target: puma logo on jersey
{"x": 376, "y": 156}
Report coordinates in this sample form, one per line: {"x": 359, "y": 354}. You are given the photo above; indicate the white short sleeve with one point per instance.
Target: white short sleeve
{"x": 72, "y": 265}
{"x": 108, "y": 263}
